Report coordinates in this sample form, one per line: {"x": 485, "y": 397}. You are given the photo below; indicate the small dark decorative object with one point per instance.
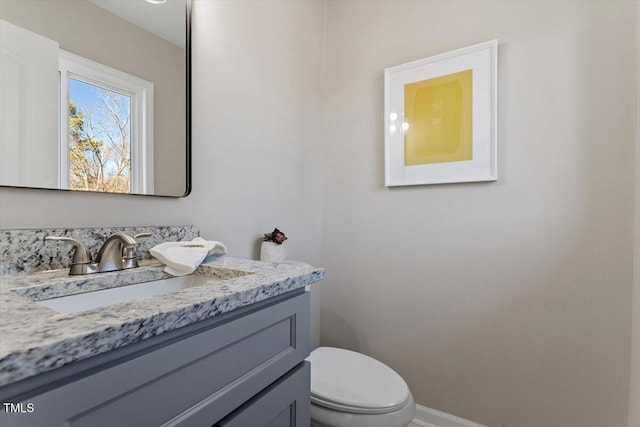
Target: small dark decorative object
{"x": 276, "y": 236}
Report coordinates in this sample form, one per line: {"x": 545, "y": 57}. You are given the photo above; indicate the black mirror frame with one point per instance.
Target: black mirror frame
{"x": 187, "y": 123}
{"x": 188, "y": 104}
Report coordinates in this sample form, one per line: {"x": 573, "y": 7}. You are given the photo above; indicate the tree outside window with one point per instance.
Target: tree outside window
{"x": 99, "y": 139}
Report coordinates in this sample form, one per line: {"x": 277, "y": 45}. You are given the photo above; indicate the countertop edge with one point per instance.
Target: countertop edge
{"x": 266, "y": 282}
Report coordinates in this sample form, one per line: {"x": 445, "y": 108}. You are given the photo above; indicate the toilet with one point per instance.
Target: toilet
{"x": 349, "y": 389}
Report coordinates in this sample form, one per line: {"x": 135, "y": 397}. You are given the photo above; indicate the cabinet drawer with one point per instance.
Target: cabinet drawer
{"x": 285, "y": 403}
{"x": 227, "y": 364}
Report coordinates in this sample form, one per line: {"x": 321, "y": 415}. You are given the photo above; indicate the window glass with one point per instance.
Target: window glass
{"x": 99, "y": 138}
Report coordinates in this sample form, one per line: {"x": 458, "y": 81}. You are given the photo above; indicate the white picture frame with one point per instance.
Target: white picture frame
{"x": 480, "y": 140}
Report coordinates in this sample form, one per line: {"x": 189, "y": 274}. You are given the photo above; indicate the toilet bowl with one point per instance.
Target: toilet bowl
{"x": 349, "y": 389}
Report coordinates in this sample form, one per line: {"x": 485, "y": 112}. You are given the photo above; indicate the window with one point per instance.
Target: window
{"x": 106, "y": 122}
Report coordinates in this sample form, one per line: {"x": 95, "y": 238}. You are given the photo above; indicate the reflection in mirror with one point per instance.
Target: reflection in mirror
{"x": 93, "y": 95}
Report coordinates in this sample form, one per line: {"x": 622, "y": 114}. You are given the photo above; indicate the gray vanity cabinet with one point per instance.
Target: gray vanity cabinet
{"x": 283, "y": 404}
{"x": 242, "y": 369}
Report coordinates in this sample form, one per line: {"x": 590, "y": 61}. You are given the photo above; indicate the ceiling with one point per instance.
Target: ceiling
{"x": 166, "y": 20}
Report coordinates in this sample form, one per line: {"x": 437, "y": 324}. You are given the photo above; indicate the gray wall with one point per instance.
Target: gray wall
{"x": 507, "y": 303}
{"x": 94, "y": 33}
{"x": 634, "y": 397}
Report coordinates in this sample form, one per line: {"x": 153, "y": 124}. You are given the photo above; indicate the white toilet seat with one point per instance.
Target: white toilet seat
{"x": 350, "y": 389}
{"x": 324, "y": 417}
{"x": 354, "y": 409}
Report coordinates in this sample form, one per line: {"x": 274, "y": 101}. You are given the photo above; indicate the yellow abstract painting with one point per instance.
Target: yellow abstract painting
{"x": 438, "y": 113}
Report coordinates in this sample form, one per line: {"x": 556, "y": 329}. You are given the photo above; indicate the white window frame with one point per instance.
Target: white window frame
{"x": 141, "y": 93}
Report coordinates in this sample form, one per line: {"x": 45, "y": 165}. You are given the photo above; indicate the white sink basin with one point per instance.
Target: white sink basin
{"x": 90, "y": 300}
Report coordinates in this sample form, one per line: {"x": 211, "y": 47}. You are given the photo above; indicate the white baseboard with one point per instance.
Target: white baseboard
{"x": 427, "y": 417}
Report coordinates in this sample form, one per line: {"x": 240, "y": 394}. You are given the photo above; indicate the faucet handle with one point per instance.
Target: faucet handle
{"x": 81, "y": 254}
{"x": 129, "y": 257}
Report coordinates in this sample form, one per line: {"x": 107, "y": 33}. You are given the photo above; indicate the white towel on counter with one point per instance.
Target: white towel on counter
{"x": 182, "y": 258}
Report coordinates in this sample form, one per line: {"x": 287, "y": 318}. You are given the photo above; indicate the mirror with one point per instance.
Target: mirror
{"x": 94, "y": 95}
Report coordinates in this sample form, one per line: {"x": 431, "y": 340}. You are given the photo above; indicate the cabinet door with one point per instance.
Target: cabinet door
{"x": 283, "y": 404}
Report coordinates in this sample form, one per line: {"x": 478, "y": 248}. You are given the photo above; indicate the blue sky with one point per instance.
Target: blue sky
{"x": 87, "y": 95}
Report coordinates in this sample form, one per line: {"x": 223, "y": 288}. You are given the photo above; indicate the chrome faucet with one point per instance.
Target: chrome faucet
{"x": 111, "y": 255}
{"x": 118, "y": 252}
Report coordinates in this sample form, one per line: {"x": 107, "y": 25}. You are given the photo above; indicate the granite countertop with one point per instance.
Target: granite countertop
{"x": 35, "y": 339}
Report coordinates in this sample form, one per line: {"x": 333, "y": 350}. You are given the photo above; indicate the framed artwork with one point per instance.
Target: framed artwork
{"x": 441, "y": 118}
